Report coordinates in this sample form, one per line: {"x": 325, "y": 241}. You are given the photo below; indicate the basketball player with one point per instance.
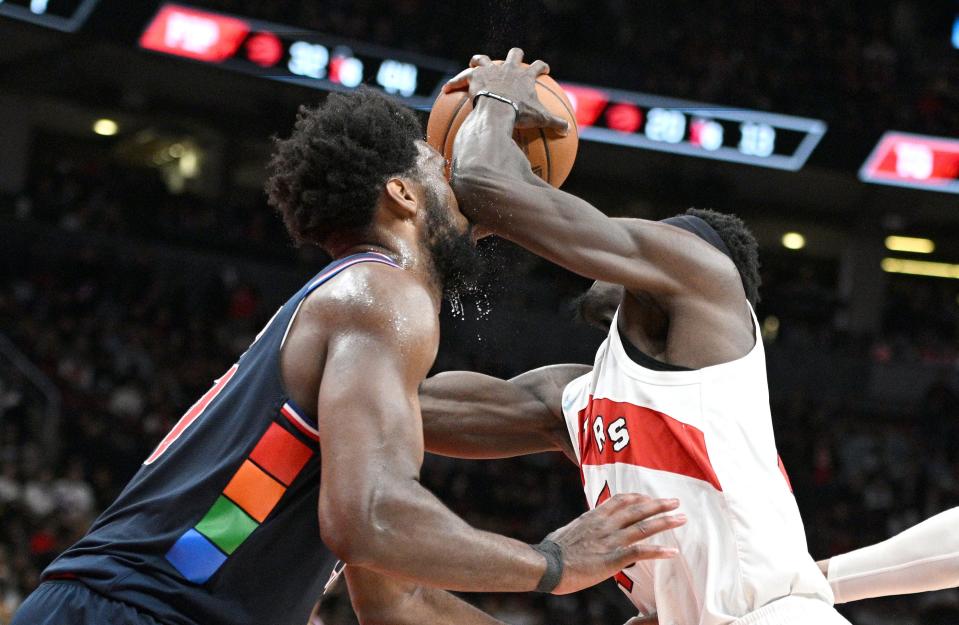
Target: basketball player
{"x": 221, "y": 525}
{"x": 677, "y": 399}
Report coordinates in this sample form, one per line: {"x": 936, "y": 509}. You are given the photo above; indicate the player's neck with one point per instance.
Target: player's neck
{"x": 407, "y": 255}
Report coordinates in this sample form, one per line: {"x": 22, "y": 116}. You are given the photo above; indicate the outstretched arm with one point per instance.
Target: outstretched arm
{"x": 381, "y": 600}
{"x": 373, "y": 511}
{"x": 471, "y": 415}
{"x": 922, "y": 558}
{"x": 497, "y": 189}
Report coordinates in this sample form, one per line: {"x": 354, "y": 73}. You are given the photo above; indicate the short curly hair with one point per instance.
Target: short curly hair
{"x": 742, "y": 245}
{"x": 326, "y": 178}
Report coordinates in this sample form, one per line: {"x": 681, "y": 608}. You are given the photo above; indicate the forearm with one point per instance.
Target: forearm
{"x": 920, "y": 559}
{"x": 470, "y": 415}
{"x": 497, "y": 189}
{"x": 406, "y": 532}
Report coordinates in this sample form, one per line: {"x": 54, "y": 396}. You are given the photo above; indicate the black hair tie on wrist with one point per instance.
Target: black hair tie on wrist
{"x": 554, "y": 565}
{"x": 496, "y": 96}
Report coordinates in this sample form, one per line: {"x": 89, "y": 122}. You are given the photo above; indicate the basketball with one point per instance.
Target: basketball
{"x": 550, "y": 155}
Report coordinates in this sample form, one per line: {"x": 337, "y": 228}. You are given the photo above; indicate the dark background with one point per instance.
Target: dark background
{"x": 135, "y": 268}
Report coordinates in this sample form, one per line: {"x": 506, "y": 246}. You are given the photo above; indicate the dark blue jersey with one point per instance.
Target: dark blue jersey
{"x": 219, "y": 525}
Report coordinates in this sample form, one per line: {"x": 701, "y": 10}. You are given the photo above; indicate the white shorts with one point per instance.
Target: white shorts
{"x": 794, "y": 610}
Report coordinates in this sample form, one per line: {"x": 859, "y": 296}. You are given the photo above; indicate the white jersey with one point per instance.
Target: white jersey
{"x": 705, "y": 437}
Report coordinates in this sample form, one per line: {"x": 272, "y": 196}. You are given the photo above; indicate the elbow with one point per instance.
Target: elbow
{"x": 340, "y": 538}
{"x": 355, "y": 529}
{"x": 346, "y": 530}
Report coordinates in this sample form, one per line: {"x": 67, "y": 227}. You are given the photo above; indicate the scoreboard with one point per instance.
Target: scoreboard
{"x": 693, "y": 129}
{"x": 604, "y": 115}
{"x": 290, "y": 55}
{"x": 914, "y": 161}
{"x": 65, "y": 15}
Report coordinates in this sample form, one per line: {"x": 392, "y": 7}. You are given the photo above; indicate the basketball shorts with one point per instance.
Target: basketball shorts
{"x": 72, "y": 603}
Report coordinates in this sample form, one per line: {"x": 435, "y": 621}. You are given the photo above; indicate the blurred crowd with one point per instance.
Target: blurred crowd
{"x": 864, "y": 66}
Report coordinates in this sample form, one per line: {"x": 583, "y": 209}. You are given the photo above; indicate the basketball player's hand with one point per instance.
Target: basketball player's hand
{"x": 609, "y": 538}
{"x": 514, "y": 81}
{"x": 643, "y": 620}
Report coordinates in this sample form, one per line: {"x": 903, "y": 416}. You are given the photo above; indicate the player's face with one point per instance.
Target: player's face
{"x": 445, "y": 234}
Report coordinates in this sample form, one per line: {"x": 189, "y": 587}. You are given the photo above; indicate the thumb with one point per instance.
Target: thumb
{"x": 559, "y": 124}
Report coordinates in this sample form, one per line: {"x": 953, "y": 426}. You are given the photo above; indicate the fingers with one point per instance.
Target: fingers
{"x": 459, "y": 81}
{"x": 621, "y": 502}
{"x": 540, "y": 67}
{"x": 644, "y": 529}
{"x": 479, "y": 60}
{"x": 638, "y": 551}
{"x": 514, "y": 56}
{"x": 642, "y": 510}
{"x": 557, "y": 123}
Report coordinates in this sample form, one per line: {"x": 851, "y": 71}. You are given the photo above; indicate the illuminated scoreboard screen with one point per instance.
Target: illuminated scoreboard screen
{"x": 914, "y": 161}
{"x": 693, "y": 129}
{"x": 604, "y": 115}
{"x": 290, "y": 55}
{"x": 66, "y": 15}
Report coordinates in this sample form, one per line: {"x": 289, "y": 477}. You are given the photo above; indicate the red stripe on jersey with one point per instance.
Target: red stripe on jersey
{"x": 191, "y": 415}
{"x": 652, "y": 439}
{"x": 782, "y": 469}
{"x": 620, "y": 577}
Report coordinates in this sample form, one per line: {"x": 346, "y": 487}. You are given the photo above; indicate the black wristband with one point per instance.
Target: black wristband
{"x": 496, "y": 96}
{"x": 554, "y": 565}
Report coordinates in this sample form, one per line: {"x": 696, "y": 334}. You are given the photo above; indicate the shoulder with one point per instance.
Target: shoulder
{"x": 376, "y": 299}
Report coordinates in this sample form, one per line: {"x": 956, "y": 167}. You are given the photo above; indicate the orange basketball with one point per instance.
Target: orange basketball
{"x": 550, "y": 155}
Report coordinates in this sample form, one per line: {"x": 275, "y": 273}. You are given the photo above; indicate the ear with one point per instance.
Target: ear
{"x": 401, "y": 197}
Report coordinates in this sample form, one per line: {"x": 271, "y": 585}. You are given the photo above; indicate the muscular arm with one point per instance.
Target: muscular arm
{"x": 497, "y": 189}
{"x": 471, "y": 415}
{"x": 922, "y": 558}
{"x": 380, "y": 600}
{"x": 373, "y": 511}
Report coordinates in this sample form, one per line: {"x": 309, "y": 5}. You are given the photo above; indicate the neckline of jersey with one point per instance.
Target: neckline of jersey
{"x": 689, "y": 376}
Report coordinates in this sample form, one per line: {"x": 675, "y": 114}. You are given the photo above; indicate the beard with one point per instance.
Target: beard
{"x": 456, "y": 265}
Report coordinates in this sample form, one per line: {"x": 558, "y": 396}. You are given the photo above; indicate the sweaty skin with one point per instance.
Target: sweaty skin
{"x": 356, "y": 354}
{"x": 683, "y": 300}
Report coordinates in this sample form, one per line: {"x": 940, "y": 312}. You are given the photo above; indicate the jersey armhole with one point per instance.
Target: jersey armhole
{"x": 575, "y": 399}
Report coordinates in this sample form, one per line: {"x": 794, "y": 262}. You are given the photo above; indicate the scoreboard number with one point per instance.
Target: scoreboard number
{"x": 652, "y": 122}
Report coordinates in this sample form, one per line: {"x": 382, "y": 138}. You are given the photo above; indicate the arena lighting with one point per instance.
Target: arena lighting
{"x": 793, "y": 241}
{"x": 910, "y": 244}
{"x": 105, "y": 127}
{"x": 955, "y": 33}
{"x": 920, "y": 268}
